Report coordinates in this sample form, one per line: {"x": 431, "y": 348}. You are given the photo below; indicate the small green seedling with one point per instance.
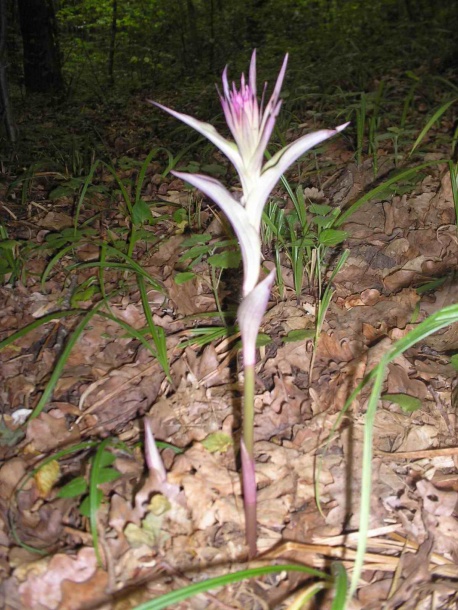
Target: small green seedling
{"x": 79, "y": 486}
{"x": 218, "y": 255}
{"x": 10, "y": 257}
{"x": 101, "y": 472}
{"x": 304, "y": 235}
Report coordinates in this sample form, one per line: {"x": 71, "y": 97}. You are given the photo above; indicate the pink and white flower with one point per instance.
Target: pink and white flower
{"x": 251, "y": 126}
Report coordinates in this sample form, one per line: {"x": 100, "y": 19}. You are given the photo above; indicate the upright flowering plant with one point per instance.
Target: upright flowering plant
{"x": 251, "y": 125}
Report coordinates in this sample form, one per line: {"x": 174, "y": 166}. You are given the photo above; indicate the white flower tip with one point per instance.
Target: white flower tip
{"x": 162, "y": 107}
{"x": 252, "y": 75}
{"x": 152, "y": 455}
{"x": 281, "y": 76}
{"x": 180, "y": 175}
{"x": 342, "y": 127}
{"x": 225, "y": 83}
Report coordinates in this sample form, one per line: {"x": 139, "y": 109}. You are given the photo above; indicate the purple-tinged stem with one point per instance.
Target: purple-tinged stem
{"x": 249, "y": 500}
{"x": 250, "y": 314}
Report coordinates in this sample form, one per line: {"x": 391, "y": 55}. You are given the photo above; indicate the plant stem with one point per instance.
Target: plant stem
{"x": 214, "y": 287}
{"x": 248, "y": 410}
{"x": 248, "y": 464}
{"x": 251, "y": 529}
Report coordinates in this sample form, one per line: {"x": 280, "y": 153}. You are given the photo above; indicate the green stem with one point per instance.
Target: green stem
{"x": 214, "y": 286}
{"x": 132, "y": 241}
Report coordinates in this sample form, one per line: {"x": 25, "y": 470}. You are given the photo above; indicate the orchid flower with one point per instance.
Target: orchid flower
{"x": 251, "y": 125}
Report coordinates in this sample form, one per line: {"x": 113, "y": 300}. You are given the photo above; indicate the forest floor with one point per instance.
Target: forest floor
{"x": 109, "y": 384}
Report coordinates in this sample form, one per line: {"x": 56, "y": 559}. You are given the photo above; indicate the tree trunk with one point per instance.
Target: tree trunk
{"x": 195, "y": 41}
{"x": 114, "y": 29}
{"x": 6, "y": 114}
{"x": 254, "y": 25}
{"x": 42, "y": 69}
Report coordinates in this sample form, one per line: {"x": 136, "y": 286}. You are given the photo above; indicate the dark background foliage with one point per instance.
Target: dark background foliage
{"x": 87, "y": 58}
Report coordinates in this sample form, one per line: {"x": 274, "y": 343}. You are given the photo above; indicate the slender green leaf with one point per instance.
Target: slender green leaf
{"x": 184, "y": 276}
{"x": 340, "y": 587}
{"x": 76, "y": 487}
{"x": 106, "y": 475}
{"x": 144, "y": 168}
{"x": 320, "y": 209}
{"x": 63, "y": 357}
{"x": 54, "y": 260}
{"x": 196, "y": 239}
{"x": 299, "y": 335}
{"x": 436, "y": 116}
{"x": 85, "y": 506}
{"x": 141, "y": 212}
{"x": 157, "y": 332}
{"x": 332, "y": 237}
{"x": 174, "y": 597}
{"x": 406, "y": 402}
{"x": 230, "y": 259}
{"x": 453, "y": 168}
{"x": 86, "y": 185}
{"x": 373, "y": 193}
{"x": 95, "y": 495}
{"x": 440, "y": 319}
{"x": 454, "y": 361}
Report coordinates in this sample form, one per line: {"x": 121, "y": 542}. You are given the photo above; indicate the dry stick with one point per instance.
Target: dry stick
{"x": 415, "y": 455}
{"x": 352, "y": 537}
{"x": 394, "y": 543}
{"x": 320, "y": 555}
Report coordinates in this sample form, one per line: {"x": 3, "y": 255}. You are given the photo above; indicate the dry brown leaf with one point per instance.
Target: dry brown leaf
{"x": 50, "y": 430}
{"x": 437, "y": 501}
{"x": 41, "y": 584}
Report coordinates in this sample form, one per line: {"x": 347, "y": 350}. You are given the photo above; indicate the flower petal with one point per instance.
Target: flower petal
{"x": 252, "y": 79}
{"x": 250, "y": 313}
{"x": 249, "y": 240}
{"x": 207, "y": 130}
{"x": 269, "y": 115}
{"x": 287, "y": 155}
{"x": 279, "y": 83}
{"x": 152, "y": 455}
{"x": 277, "y": 165}
{"x": 273, "y": 106}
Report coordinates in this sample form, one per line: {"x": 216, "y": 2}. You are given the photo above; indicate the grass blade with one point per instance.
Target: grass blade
{"x": 57, "y": 372}
{"x": 340, "y": 586}
{"x": 382, "y": 187}
{"x": 50, "y": 317}
{"x": 93, "y": 496}
{"x": 157, "y": 333}
{"x": 436, "y": 116}
{"x": 86, "y": 185}
{"x": 438, "y": 320}
{"x": 175, "y": 597}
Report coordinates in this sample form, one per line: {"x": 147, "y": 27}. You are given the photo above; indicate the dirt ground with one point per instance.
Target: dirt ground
{"x": 111, "y": 384}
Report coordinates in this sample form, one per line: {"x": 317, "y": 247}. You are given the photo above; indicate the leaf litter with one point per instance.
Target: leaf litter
{"x": 151, "y": 542}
